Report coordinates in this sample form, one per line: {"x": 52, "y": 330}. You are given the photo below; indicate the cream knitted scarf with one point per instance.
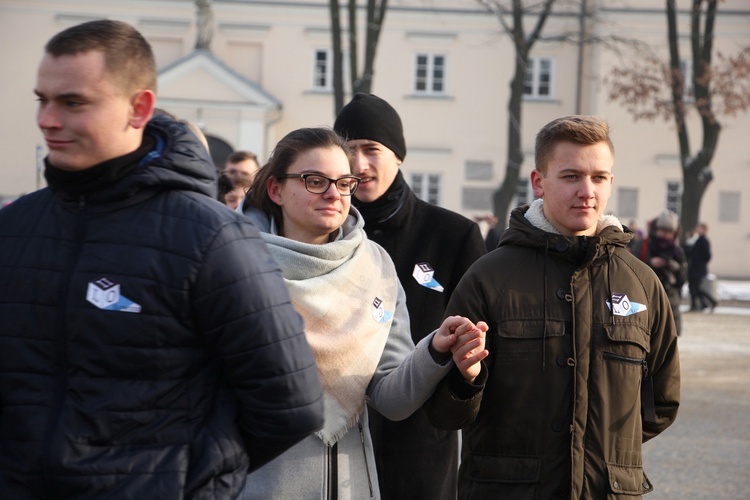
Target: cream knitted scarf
{"x": 346, "y": 292}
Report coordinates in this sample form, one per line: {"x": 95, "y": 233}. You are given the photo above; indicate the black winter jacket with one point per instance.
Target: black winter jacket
{"x": 415, "y": 232}
{"x": 414, "y": 459}
{"x": 148, "y": 346}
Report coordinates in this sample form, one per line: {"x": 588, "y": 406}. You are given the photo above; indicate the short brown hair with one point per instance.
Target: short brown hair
{"x": 238, "y": 156}
{"x": 128, "y": 56}
{"x": 284, "y": 154}
{"x": 580, "y": 129}
{"x": 228, "y": 181}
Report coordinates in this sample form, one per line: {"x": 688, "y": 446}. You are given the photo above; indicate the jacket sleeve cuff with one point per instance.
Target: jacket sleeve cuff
{"x": 462, "y": 388}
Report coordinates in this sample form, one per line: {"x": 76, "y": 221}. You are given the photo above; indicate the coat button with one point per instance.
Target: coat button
{"x": 561, "y": 293}
{"x": 557, "y": 425}
{"x": 561, "y": 246}
{"x": 616, "y": 485}
{"x": 562, "y": 361}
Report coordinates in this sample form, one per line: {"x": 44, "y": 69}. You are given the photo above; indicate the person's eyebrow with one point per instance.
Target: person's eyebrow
{"x": 574, "y": 170}
{"x": 68, "y": 95}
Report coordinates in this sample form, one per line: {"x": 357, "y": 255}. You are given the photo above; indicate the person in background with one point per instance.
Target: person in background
{"x": 661, "y": 250}
{"x": 431, "y": 247}
{"x": 583, "y": 365}
{"x": 490, "y": 232}
{"x": 699, "y": 255}
{"x": 637, "y": 240}
{"x": 242, "y": 161}
{"x": 232, "y": 187}
{"x": 148, "y": 344}
{"x": 346, "y": 288}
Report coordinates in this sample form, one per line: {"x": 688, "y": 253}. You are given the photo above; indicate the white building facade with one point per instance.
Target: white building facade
{"x": 444, "y": 65}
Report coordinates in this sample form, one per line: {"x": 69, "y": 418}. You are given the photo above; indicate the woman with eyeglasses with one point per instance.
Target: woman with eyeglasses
{"x": 346, "y": 288}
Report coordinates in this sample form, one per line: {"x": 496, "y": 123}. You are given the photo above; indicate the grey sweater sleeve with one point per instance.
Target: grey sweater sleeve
{"x": 406, "y": 375}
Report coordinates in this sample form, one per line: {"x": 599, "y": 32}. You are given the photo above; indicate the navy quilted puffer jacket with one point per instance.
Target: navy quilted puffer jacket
{"x": 148, "y": 346}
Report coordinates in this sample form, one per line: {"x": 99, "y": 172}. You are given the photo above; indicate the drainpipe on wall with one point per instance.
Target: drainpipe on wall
{"x": 579, "y": 72}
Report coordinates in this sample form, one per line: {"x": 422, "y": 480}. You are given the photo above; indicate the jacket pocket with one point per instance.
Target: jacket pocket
{"x": 529, "y": 329}
{"x": 494, "y": 469}
{"x": 631, "y": 333}
{"x": 627, "y": 480}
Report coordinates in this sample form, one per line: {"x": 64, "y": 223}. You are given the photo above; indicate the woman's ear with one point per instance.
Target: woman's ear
{"x": 143, "y": 104}
{"x": 274, "y": 190}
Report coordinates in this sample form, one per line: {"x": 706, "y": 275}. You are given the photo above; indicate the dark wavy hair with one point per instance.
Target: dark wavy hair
{"x": 283, "y": 155}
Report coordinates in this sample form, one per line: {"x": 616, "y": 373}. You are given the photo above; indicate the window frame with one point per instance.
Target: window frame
{"x": 534, "y": 67}
{"x": 422, "y": 185}
{"x": 673, "y": 196}
{"x": 327, "y": 72}
{"x": 430, "y": 78}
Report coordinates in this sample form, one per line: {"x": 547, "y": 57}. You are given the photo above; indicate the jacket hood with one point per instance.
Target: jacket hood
{"x": 184, "y": 163}
{"x": 177, "y": 162}
{"x": 529, "y": 228}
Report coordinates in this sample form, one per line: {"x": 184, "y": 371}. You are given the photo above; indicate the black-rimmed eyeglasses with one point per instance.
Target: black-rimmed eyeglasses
{"x": 319, "y": 184}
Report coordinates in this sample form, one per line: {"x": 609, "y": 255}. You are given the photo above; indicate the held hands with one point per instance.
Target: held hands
{"x": 466, "y": 341}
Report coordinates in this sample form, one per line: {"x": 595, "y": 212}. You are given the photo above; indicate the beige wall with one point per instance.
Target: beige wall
{"x": 272, "y": 44}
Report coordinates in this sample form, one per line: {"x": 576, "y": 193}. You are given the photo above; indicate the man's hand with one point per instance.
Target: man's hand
{"x": 468, "y": 350}
{"x": 465, "y": 340}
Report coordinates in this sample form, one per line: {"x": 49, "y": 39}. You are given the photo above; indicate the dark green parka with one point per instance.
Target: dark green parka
{"x": 561, "y": 412}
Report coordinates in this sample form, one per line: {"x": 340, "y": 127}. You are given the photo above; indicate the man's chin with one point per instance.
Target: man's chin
{"x": 365, "y": 196}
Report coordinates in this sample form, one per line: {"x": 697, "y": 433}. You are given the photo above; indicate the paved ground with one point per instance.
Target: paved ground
{"x": 705, "y": 454}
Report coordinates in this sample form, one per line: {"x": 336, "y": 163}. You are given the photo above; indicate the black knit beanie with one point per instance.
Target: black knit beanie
{"x": 369, "y": 117}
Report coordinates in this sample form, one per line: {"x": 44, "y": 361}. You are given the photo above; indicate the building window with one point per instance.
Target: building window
{"x": 478, "y": 170}
{"x": 429, "y": 77}
{"x": 627, "y": 202}
{"x": 524, "y": 194}
{"x": 538, "y": 82}
{"x": 674, "y": 196}
{"x": 729, "y": 206}
{"x": 427, "y": 187}
{"x": 686, "y": 65}
{"x": 323, "y": 70}
{"x": 477, "y": 199}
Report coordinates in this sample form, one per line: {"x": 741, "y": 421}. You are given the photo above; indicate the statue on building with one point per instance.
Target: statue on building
{"x": 205, "y": 22}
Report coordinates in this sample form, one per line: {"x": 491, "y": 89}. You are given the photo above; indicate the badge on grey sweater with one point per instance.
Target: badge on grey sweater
{"x": 378, "y": 311}
{"x": 425, "y": 276}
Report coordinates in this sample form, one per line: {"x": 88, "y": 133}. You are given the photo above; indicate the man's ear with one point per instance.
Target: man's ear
{"x": 536, "y": 183}
{"x": 143, "y": 104}
{"x": 274, "y": 190}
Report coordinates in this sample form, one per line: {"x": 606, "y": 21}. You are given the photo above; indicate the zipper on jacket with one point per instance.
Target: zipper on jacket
{"x": 333, "y": 471}
{"x": 623, "y": 359}
{"x": 52, "y": 431}
{"x": 364, "y": 452}
{"x": 648, "y": 403}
